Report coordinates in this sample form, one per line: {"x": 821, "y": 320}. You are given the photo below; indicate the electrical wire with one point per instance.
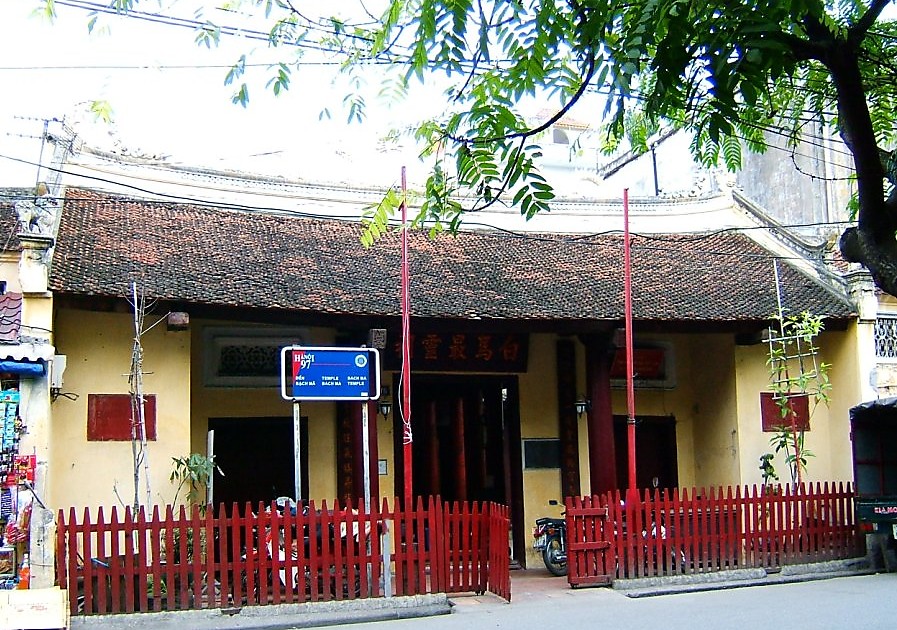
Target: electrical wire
{"x": 779, "y": 130}
{"x": 195, "y": 201}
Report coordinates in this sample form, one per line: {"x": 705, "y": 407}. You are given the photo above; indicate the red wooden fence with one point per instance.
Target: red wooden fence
{"x": 671, "y": 533}
{"x": 187, "y": 559}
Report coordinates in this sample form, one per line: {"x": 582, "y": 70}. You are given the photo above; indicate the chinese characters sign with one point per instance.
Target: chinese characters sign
{"x": 649, "y": 364}
{"x": 464, "y": 352}
{"x": 312, "y": 373}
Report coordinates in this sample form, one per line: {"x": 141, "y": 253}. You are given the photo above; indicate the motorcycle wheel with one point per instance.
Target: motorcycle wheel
{"x": 550, "y": 557}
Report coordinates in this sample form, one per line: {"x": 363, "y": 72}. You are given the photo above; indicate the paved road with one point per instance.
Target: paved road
{"x": 868, "y": 602}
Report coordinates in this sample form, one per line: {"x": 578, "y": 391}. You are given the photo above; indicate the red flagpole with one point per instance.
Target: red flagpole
{"x": 630, "y": 369}
{"x": 405, "y": 408}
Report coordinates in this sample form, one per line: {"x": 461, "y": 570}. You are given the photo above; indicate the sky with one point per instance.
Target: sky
{"x": 168, "y": 98}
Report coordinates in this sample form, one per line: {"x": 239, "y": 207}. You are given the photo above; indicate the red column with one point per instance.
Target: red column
{"x": 461, "y": 460}
{"x": 433, "y": 446}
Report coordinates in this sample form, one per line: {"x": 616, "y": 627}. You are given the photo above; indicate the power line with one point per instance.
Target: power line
{"x": 170, "y": 20}
{"x": 513, "y": 234}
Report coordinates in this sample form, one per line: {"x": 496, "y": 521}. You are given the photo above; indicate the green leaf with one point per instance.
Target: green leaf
{"x": 241, "y": 96}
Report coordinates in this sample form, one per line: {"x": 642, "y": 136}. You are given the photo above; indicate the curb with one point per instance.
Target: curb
{"x": 739, "y": 578}
{"x": 280, "y": 616}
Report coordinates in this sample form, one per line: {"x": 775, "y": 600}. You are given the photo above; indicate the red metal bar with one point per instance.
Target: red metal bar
{"x": 326, "y": 554}
{"x": 125, "y": 560}
{"x": 421, "y": 550}
{"x": 627, "y": 307}
{"x": 466, "y": 532}
{"x": 141, "y": 561}
{"x": 679, "y": 530}
{"x": 222, "y": 587}
{"x": 170, "y": 587}
{"x": 101, "y": 599}
{"x": 459, "y": 542}
{"x": 154, "y": 559}
{"x": 183, "y": 560}
{"x": 234, "y": 561}
{"x": 439, "y": 565}
{"x": 406, "y": 355}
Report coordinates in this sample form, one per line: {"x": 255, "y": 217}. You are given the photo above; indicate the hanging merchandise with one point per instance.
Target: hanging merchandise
{"x": 17, "y": 529}
{"x": 6, "y": 504}
{"x": 11, "y": 428}
{"x": 24, "y": 574}
{"x": 22, "y": 470}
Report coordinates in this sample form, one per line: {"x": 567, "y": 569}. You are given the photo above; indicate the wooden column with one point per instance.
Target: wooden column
{"x": 461, "y": 458}
{"x": 567, "y": 418}
{"x": 602, "y": 456}
{"x": 433, "y": 445}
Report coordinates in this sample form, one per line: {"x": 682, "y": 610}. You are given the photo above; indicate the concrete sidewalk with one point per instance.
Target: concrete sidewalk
{"x": 532, "y": 585}
{"x": 738, "y": 578}
{"x": 281, "y": 616}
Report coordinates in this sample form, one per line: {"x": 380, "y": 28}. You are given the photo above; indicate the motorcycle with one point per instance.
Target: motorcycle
{"x": 274, "y": 545}
{"x": 550, "y": 536}
{"x": 651, "y": 532}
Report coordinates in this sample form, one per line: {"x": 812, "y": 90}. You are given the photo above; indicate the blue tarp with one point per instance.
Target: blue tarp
{"x": 28, "y": 369}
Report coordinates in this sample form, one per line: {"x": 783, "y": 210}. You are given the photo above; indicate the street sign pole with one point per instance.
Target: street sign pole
{"x": 297, "y": 451}
{"x": 366, "y": 456}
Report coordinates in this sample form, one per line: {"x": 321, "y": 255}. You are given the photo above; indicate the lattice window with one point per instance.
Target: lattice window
{"x": 886, "y": 337}
{"x": 249, "y": 360}
{"x": 245, "y": 357}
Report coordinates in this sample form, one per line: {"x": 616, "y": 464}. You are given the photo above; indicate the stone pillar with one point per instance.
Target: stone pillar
{"x": 33, "y": 266}
{"x": 37, "y": 320}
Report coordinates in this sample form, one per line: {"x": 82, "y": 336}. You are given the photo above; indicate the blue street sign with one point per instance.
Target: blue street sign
{"x": 317, "y": 373}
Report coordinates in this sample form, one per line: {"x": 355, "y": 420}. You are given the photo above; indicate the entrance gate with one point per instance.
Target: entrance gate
{"x": 590, "y": 557}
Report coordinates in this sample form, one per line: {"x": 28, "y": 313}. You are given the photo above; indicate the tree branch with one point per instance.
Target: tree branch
{"x": 589, "y": 74}
{"x": 857, "y": 32}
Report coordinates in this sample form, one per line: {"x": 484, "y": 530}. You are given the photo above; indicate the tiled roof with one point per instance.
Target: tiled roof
{"x": 213, "y": 256}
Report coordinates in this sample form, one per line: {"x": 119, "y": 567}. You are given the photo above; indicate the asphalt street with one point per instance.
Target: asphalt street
{"x": 807, "y": 599}
{"x": 868, "y": 602}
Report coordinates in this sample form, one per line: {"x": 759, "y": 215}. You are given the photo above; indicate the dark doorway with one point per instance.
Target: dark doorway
{"x": 655, "y": 452}
{"x": 466, "y": 442}
{"x": 257, "y": 459}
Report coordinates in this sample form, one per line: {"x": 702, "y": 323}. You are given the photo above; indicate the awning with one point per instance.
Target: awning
{"x": 27, "y": 352}
{"x": 874, "y": 408}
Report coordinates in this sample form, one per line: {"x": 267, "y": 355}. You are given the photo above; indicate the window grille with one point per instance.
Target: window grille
{"x": 249, "y": 360}
{"x": 886, "y": 337}
{"x": 245, "y": 357}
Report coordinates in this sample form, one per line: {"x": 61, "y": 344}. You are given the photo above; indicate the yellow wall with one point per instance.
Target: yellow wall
{"x": 714, "y": 453}
{"x": 99, "y": 348}
{"x": 539, "y": 419}
{"x": 841, "y": 351}
{"x": 829, "y": 435}
{"x": 715, "y": 403}
{"x": 9, "y": 271}
{"x": 247, "y": 402}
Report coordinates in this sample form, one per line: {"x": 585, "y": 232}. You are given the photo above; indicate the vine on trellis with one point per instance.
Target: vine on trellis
{"x": 795, "y": 371}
